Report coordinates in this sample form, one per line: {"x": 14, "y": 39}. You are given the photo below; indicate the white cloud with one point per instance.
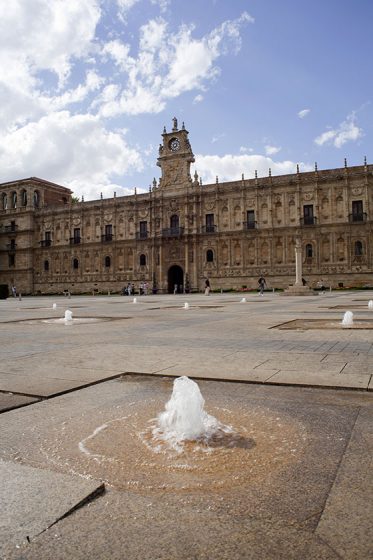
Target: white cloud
{"x": 198, "y": 98}
{"x": 271, "y": 150}
{"x": 303, "y": 113}
{"x": 345, "y": 132}
{"x": 167, "y": 64}
{"x": 77, "y": 151}
{"x": 244, "y": 150}
{"x": 230, "y": 167}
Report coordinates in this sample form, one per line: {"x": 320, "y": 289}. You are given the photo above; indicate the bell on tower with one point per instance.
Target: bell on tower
{"x": 175, "y": 157}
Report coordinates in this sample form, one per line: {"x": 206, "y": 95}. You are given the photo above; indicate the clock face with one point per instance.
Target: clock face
{"x": 174, "y": 144}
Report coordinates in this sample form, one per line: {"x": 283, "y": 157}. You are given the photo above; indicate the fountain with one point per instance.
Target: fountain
{"x": 186, "y": 305}
{"x": 348, "y": 319}
{"x": 243, "y": 300}
{"x": 68, "y": 317}
{"x": 370, "y": 304}
{"x": 55, "y": 306}
{"x": 184, "y": 418}
{"x": 134, "y": 300}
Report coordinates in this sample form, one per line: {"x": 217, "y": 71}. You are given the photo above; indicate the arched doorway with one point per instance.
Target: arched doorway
{"x": 175, "y": 278}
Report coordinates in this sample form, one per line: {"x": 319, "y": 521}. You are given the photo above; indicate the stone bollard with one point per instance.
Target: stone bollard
{"x": 68, "y": 295}
{"x": 20, "y": 297}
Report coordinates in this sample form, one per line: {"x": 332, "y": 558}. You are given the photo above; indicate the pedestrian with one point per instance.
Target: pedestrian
{"x": 175, "y": 289}
{"x": 207, "y": 287}
{"x": 14, "y": 291}
{"x": 262, "y": 284}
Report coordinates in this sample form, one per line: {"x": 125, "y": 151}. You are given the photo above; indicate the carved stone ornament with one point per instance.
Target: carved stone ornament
{"x": 143, "y": 213}
{"x": 210, "y": 204}
{"x": 308, "y": 196}
{"x": 357, "y": 190}
{"x": 76, "y": 221}
{"x": 107, "y": 217}
{"x": 174, "y": 205}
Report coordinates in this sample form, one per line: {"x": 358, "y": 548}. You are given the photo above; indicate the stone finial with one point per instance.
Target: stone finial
{"x": 256, "y": 174}
{"x": 217, "y": 179}
{"x": 196, "y": 175}
{"x": 174, "y": 121}
{"x": 82, "y": 197}
{"x": 164, "y": 130}
{"x": 243, "y": 176}
{"x": 365, "y": 160}
{"x": 183, "y": 126}
{"x": 200, "y": 181}
{"x": 135, "y": 191}
{"x": 269, "y": 172}
{"x": 316, "y": 166}
{"x": 154, "y": 182}
{"x": 297, "y": 167}
{"x": 345, "y": 162}
{"x": 101, "y": 196}
{"x": 115, "y": 194}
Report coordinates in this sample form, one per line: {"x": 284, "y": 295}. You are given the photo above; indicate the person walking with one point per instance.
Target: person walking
{"x": 262, "y": 284}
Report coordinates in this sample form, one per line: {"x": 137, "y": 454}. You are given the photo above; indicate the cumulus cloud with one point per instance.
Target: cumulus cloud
{"x": 230, "y": 167}
{"x": 345, "y": 132}
{"x": 303, "y": 113}
{"x": 271, "y": 150}
{"x": 75, "y": 150}
{"x": 198, "y": 98}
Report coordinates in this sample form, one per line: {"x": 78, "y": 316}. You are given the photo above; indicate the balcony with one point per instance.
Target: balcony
{"x": 209, "y": 229}
{"x": 249, "y": 225}
{"x": 45, "y": 243}
{"x": 75, "y": 240}
{"x": 359, "y": 218}
{"x": 173, "y": 232}
{"x": 107, "y": 237}
{"x": 142, "y": 234}
{"x": 11, "y": 229}
{"x": 11, "y": 247}
{"x": 308, "y": 221}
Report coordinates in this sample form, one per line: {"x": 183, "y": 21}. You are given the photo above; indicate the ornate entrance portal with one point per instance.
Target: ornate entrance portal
{"x": 175, "y": 278}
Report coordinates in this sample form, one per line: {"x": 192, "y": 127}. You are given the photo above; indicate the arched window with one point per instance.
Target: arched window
{"x": 174, "y": 221}
{"x": 143, "y": 260}
{"x": 75, "y": 264}
{"x": 209, "y": 255}
{"x": 46, "y": 266}
{"x": 107, "y": 262}
{"x": 358, "y": 248}
{"x": 5, "y": 201}
{"x": 24, "y": 198}
{"x": 14, "y": 199}
{"x": 36, "y": 199}
{"x": 309, "y": 251}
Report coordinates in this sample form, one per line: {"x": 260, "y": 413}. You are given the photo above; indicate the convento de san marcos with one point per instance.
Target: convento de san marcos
{"x": 182, "y": 231}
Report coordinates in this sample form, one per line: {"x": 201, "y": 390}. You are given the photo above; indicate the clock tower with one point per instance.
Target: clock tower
{"x": 175, "y": 157}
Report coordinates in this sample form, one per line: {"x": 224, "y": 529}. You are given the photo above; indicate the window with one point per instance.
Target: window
{"x": 357, "y": 211}
{"x": 47, "y": 236}
{"x": 358, "y": 249}
{"x": 107, "y": 262}
{"x": 24, "y": 198}
{"x": 5, "y": 201}
{"x": 75, "y": 264}
{"x": 308, "y": 214}
{"x": 14, "y": 199}
{"x": 309, "y": 251}
{"x": 143, "y": 230}
{"x": 210, "y": 223}
{"x": 250, "y": 219}
{"x": 209, "y": 255}
{"x": 76, "y": 235}
{"x": 174, "y": 222}
{"x": 46, "y": 266}
{"x": 11, "y": 260}
{"x": 36, "y": 199}
{"x": 142, "y": 260}
{"x": 12, "y": 244}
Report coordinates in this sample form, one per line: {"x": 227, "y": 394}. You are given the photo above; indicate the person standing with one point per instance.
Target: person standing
{"x": 14, "y": 291}
{"x": 207, "y": 287}
{"x": 262, "y": 284}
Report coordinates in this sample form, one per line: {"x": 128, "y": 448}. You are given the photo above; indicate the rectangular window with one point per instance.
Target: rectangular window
{"x": 308, "y": 214}
{"x": 12, "y": 260}
{"x": 210, "y": 226}
{"x": 357, "y": 207}
{"x": 47, "y": 236}
{"x": 143, "y": 230}
{"x": 250, "y": 219}
{"x": 108, "y": 229}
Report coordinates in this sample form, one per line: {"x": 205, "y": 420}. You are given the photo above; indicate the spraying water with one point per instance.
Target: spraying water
{"x": 184, "y": 418}
{"x": 134, "y": 300}
{"x": 243, "y": 300}
{"x": 348, "y": 319}
{"x": 370, "y": 304}
{"x": 186, "y": 305}
{"x": 55, "y": 306}
{"x": 68, "y": 316}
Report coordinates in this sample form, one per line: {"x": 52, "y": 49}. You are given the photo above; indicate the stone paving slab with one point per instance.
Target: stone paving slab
{"x": 33, "y": 499}
{"x": 9, "y": 401}
{"x": 322, "y": 379}
{"x": 36, "y": 386}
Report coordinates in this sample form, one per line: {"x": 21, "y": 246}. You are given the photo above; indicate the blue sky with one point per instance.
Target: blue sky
{"x": 86, "y": 87}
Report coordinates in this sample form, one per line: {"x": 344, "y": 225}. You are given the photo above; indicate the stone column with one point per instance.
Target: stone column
{"x": 298, "y": 263}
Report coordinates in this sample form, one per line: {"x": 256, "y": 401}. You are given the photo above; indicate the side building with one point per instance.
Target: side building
{"x": 181, "y": 232}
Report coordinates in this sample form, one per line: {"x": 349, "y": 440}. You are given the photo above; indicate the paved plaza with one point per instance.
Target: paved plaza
{"x": 81, "y": 480}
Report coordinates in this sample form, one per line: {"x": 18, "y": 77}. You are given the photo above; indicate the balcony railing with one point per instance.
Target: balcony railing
{"x": 75, "y": 240}
{"x": 209, "y": 229}
{"x": 11, "y": 229}
{"x": 173, "y": 232}
{"x": 11, "y": 246}
{"x": 308, "y": 221}
{"x": 357, "y": 218}
{"x": 106, "y": 237}
{"x": 142, "y": 235}
{"x": 45, "y": 243}
{"x": 249, "y": 225}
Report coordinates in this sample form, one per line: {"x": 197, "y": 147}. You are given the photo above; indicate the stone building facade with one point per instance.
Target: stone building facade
{"x": 181, "y": 232}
